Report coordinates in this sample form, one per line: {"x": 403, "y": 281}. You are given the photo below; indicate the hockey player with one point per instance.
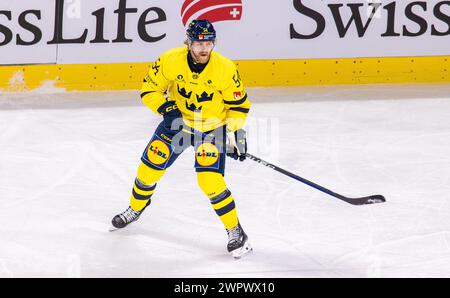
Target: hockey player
{"x": 205, "y": 96}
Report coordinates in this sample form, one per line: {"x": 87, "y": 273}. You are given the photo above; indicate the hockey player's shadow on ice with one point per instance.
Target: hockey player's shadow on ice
{"x": 168, "y": 240}
{"x": 169, "y": 243}
{"x": 173, "y": 250}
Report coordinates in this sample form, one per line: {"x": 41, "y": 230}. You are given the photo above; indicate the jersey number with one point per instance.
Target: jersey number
{"x": 156, "y": 66}
{"x": 237, "y": 79}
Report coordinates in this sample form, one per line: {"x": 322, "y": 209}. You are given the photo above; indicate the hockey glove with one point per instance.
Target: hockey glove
{"x": 237, "y": 147}
{"x": 170, "y": 113}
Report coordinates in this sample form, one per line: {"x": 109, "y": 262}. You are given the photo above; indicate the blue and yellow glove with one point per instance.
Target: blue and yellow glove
{"x": 237, "y": 146}
{"x": 170, "y": 112}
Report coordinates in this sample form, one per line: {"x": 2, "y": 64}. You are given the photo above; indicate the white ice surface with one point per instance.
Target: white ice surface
{"x": 68, "y": 161}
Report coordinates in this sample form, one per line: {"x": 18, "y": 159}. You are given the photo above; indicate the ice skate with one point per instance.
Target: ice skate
{"x": 123, "y": 219}
{"x": 238, "y": 244}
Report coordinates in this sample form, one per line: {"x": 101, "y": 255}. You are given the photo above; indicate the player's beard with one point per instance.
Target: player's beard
{"x": 201, "y": 57}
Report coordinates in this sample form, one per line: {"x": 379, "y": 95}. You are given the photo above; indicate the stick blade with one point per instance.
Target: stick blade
{"x": 375, "y": 199}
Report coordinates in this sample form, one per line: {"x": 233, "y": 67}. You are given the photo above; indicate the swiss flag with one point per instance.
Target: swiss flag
{"x": 211, "y": 10}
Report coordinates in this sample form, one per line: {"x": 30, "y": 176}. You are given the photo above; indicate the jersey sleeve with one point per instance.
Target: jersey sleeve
{"x": 155, "y": 86}
{"x": 236, "y": 102}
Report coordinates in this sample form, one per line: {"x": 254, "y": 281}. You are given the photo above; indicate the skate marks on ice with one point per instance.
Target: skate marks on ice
{"x": 395, "y": 147}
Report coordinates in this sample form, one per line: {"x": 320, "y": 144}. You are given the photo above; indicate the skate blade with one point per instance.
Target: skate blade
{"x": 112, "y": 229}
{"x": 243, "y": 251}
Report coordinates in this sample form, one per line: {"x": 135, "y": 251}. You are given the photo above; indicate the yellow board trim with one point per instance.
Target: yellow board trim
{"x": 126, "y": 76}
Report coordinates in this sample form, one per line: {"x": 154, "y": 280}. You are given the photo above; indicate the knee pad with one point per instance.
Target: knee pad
{"x": 147, "y": 175}
{"x": 211, "y": 183}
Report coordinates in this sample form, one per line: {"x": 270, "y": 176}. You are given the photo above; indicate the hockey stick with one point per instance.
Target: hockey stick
{"x": 354, "y": 201}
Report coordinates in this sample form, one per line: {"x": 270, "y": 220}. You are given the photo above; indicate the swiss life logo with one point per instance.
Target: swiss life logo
{"x": 211, "y": 10}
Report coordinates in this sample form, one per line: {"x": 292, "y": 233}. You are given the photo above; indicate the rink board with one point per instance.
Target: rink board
{"x": 126, "y": 76}
{"x": 108, "y": 45}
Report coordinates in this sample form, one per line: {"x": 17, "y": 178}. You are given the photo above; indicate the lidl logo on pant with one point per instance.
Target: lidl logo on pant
{"x": 207, "y": 154}
{"x": 158, "y": 152}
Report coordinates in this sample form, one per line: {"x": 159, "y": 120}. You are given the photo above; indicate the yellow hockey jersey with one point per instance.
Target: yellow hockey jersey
{"x": 207, "y": 100}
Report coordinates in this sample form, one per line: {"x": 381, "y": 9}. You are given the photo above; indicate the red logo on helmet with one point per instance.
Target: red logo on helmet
{"x": 211, "y": 10}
